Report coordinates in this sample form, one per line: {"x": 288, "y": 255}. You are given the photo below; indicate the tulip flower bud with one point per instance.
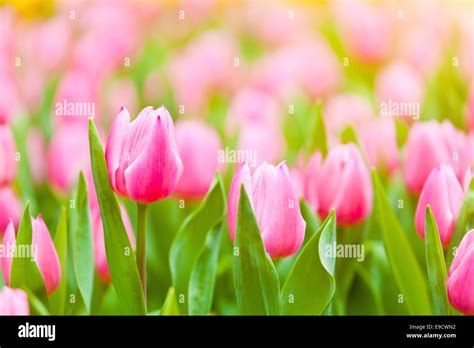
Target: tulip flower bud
{"x": 430, "y": 144}
{"x": 8, "y": 163}
{"x": 460, "y": 281}
{"x": 275, "y": 205}
{"x": 68, "y": 154}
{"x": 13, "y": 302}
{"x": 142, "y": 156}
{"x": 10, "y": 209}
{"x": 43, "y": 251}
{"x": 443, "y": 192}
{"x": 198, "y": 145}
{"x": 345, "y": 185}
{"x": 380, "y": 143}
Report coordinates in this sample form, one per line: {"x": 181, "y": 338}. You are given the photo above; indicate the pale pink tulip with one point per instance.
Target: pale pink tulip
{"x": 275, "y": 206}
{"x": 379, "y": 138}
{"x": 345, "y": 185}
{"x": 470, "y": 109}
{"x": 142, "y": 157}
{"x": 311, "y": 180}
{"x": 460, "y": 281}
{"x": 68, "y": 154}
{"x": 37, "y": 155}
{"x": 198, "y": 146}
{"x": 121, "y": 92}
{"x": 8, "y": 164}
{"x": 13, "y": 302}
{"x": 443, "y": 192}
{"x": 10, "y": 209}
{"x": 43, "y": 250}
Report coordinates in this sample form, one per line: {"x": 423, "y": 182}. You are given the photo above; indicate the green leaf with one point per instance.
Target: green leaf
{"x": 464, "y": 223}
{"x": 83, "y": 257}
{"x": 37, "y": 307}
{"x": 435, "y": 265}
{"x": 25, "y": 273}
{"x": 170, "y": 307}
{"x": 402, "y": 132}
{"x": 349, "y": 135}
{"x": 191, "y": 236}
{"x": 311, "y": 284}
{"x": 120, "y": 255}
{"x": 256, "y": 279}
{"x": 404, "y": 266}
{"x": 318, "y": 138}
{"x": 203, "y": 276}
{"x": 58, "y": 298}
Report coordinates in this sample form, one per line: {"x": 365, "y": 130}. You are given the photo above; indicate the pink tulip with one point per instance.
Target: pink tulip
{"x": 460, "y": 279}
{"x": 443, "y": 192}
{"x": 367, "y": 30}
{"x": 142, "y": 157}
{"x": 13, "y": 302}
{"x": 399, "y": 85}
{"x": 8, "y": 163}
{"x": 311, "y": 180}
{"x": 37, "y": 155}
{"x": 121, "y": 92}
{"x": 430, "y": 144}
{"x": 261, "y": 143}
{"x": 275, "y": 206}
{"x": 342, "y": 110}
{"x": 380, "y": 143}
{"x": 10, "y": 209}
{"x": 470, "y": 109}
{"x": 43, "y": 250}
{"x": 198, "y": 146}
{"x": 68, "y": 154}
{"x": 345, "y": 185}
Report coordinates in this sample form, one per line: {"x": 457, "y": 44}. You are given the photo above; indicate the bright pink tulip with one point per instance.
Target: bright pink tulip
{"x": 43, "y": 250}
{"x": 443, "y": 192}
{"x": 8, "y": 163}
{"x": 397, "y": 85}
{"x": 379, "y": 137}
{"x": 460, "y": 281}
{"x": 10, "y": 209}
{"x": 142, "y": 157}
{"x": 68, "y": 154}
{"x": 275, "y": 205}
{"x": 198, "y": 146}
{"x": 345, "y": 185}
{"x": 430, "y": 144}
{"x": 13, "y": 302}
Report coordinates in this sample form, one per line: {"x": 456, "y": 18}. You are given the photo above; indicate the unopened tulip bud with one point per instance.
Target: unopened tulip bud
{"x": 460, "y": 281}
{"x": 444, "y": 193}
{"x": 275, "y": 204}
{"x": 142, "y": 157}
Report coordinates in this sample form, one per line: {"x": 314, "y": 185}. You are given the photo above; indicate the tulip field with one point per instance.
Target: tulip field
{"x": 243, "y": 157}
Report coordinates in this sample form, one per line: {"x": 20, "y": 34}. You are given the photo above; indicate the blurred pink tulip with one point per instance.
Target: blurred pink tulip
{"x": 142, "y": 157}
{"x": 37, "y": 155}
{"x": 10, "y": 209}
{"x": 400, "y": 91}
{"x": 430, "y": 144}
{"x": 100, "y": 255}
{"x": 43, "y": 250}
{"x": 443, "y": 192}
{"x": 121, "y": 92}
{"x": 198, "y": 146}
{"x": 345, "y": 185}
{"x": 68, "y": 154}
{"x": 342, "y": 110}
{"x": 379, "y": 138}
{"x": 470, "y": 109}
{"x": 8, "y": 165}
{"x": 311, "y": 180}
{"x": 366, "y": 29}
{"x": 275, "y": 205}
{"x": 461, "y": 276}
{"x": 261, "y": 143}
{"x": 13, "y": 302}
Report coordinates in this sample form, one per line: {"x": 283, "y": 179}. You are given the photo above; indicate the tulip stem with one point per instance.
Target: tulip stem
{"x": 141, "y": 243}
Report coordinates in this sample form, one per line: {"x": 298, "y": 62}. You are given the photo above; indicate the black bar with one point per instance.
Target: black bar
{"x": 219, "y": 330}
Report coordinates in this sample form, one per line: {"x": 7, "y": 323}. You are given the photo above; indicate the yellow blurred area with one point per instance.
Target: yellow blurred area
{"x": 31, "y": 8}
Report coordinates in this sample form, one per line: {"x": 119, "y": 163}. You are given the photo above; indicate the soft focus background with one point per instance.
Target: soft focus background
{"x": 256, "y": 77}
